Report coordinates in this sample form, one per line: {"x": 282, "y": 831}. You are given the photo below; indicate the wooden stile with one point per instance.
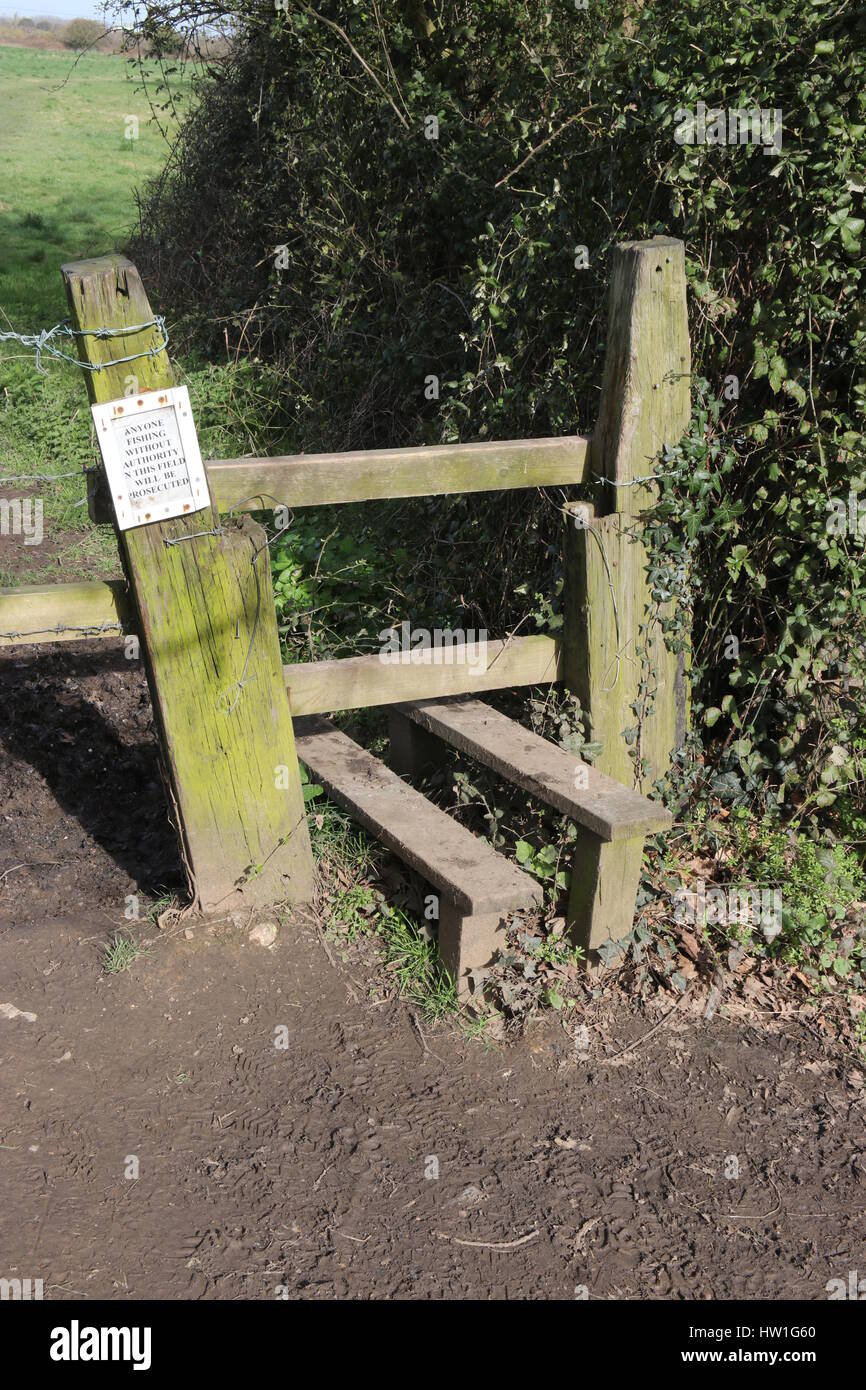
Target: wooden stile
{"x": 206, "y": 618}
{"x": 202, "y": 603}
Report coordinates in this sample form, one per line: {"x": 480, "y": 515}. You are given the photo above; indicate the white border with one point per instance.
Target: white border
{"x": 127, "y": 513}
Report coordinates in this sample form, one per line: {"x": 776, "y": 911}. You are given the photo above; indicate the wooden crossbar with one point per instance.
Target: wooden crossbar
{"x": 70, "y": 612}
{"x": 312, "y": 480}
{"x": 365, "y": 475}
{"x": 357, "y": 682}
{"x": 36, "y": 613}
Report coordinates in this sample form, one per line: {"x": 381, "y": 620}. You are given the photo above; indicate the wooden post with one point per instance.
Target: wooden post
{"x": 412, "y": 751}
{"x": 206, "y": 621}
{"x": 614, "y": 655}
{"x": 605, "y": 878}
{"x": 468, "y": 942}
{"x": 609, "y": 614}
{"x": 646, "y": 384}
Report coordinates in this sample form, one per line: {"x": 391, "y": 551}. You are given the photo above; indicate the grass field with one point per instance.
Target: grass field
{"x": 69, "y": 172}
{"x": 68, "y": 191}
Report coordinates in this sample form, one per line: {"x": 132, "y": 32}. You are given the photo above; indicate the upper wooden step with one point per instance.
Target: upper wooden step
{"x": 466, "y": 869}
{"x": 611, "y": 811}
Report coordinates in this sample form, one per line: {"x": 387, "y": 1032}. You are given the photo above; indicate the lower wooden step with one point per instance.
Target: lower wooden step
{"x": 478, "y": 885}
{"x": 614, "y": 819}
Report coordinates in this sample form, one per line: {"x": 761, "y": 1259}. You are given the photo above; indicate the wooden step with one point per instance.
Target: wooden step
{"x": 609, "y": 810}
{"x": 464, "y": 868}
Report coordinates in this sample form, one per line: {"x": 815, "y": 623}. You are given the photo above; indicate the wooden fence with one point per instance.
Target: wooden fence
{"x": 203, "y": 610}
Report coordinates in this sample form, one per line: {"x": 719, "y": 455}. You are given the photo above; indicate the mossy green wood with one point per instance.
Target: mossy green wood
{"x": 63, "y": 612}
{"x": 647, "y": 369}
{"x": 357, "y": 682}
{"x": 431, "y": 470}
{"x": 614, "y": 655}
{"x": 241, "y": 820}
{"x": 613, "y": 643}
{"x": 610, "y": 620}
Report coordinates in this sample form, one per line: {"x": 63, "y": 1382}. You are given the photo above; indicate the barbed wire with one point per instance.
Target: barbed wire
{"x": 193, "y": 536}
{"x": 633, "y": 482}
{"x": 43, "y": 477}
{"x": 42, "y": 342}
{"x": 94, "y": 630}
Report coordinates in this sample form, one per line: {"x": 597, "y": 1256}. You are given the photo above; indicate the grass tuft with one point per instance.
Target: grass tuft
{"x": 120, "y": 953}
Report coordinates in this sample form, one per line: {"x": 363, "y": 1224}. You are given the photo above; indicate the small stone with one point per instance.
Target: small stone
{"x": 468, "y": 1200}
{"x": 265, "y": 934}
{"x": 10, "y": 1011}
{"x": 189, "y": 933}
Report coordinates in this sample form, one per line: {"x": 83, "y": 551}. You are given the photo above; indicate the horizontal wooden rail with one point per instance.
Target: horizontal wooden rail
{"x": 357, "y": 682}
{"x": 311, "y": 480}
{"x": 101, "y": 608}
{"x": 63, "y": 612}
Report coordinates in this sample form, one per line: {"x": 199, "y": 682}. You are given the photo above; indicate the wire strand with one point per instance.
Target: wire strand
{"x": 42, "y": 342}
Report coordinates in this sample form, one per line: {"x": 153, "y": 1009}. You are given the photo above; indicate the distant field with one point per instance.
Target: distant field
{"x": 66, "y": 190}
{"x": 67, "y": 185}
{"x": 31, "y": 38}
{"x": 69, "y": 174}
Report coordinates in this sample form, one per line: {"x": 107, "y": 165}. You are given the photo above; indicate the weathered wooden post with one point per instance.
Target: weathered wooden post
{"x": 209, "y": 641}
{"x": 615, "y": 657}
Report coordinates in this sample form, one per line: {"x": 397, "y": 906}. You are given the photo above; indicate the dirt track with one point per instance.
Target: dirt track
{"x": 305, "y": 1168}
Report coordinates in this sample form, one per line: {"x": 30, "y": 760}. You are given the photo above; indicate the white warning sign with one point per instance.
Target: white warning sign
{"x": 152, "y": 460}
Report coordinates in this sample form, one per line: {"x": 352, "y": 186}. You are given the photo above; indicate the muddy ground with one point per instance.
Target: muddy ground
{"x": 674, "y": 1156}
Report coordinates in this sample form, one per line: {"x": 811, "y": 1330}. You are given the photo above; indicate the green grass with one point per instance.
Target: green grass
{"x": 69, "y": 175}
{"x": 414, "y": 964}
{"x": 353, "y": 907}
{"x": 68, "y": 191}
{"x": 120, "y": 953}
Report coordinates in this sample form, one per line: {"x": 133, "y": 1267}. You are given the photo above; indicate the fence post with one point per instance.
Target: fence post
{"x": 615, "y": 657}
{"x": 206, "y": 618}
